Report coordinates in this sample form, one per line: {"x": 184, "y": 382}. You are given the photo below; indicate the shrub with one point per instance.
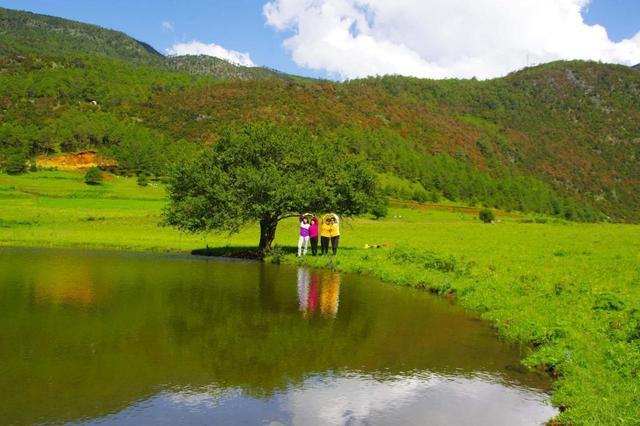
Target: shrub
{"x": 380, "y": 210}
{"x": 420, "y": 195}
{"x": 15, "y": 164}
{"x": 487, "y": 215}
{"x": 93, "y": 176}
{"x": 435, "y": 197}
{"x": 142, "y": 179}
{"x": 33, "y": 167}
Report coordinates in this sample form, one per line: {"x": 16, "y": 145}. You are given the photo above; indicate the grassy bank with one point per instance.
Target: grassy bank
{"x": 572, "y": 290}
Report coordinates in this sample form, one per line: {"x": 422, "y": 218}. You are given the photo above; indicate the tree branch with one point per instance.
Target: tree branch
{"x": 285, "y": 216}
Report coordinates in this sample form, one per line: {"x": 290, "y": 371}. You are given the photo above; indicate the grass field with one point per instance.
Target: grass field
{"x": 570, "y": 290}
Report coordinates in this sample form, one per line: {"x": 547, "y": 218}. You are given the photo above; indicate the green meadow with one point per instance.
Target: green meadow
{"x": 569, "y": 292}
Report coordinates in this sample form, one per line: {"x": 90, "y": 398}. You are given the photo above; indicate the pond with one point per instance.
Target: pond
{"x": 134, "y": 339}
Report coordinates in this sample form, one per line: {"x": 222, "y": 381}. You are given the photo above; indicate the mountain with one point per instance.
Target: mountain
{"x": 30, "y": 33}
{"x": 560, "y": 138}
{"x": 636, "y": 66}
{"x": 23, "y": 33}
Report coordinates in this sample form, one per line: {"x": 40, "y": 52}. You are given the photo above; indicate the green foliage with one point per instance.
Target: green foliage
{"x": 522, "y": 118}
{"x": 25, "y": 32}
{"x": 411, "y": 175}
{"x": 486, "y": 215}
{"x": 15, "y": 164}
{"x": 223, "y": 70}
{"x": 264, "y": 172}
{"x": 141, "y": 150}
{"x": 93, "y": 176}
{"x": 142, "y": 180}
{"x": 380, "y": 208}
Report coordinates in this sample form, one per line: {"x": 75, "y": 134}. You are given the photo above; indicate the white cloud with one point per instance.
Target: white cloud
{"x": 437, "y": 39}
{"x": 168, "y": 26}
{"x": 198, "y": 48}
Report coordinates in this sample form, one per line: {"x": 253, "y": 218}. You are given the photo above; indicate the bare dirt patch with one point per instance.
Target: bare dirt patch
{"x": 75, "y": 161}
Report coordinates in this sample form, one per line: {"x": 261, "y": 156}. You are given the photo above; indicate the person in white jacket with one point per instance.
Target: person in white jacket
{"x": 304, "y": 235}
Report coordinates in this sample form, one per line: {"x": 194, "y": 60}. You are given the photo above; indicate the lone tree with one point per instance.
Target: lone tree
{"x": 487, "y": 215}
{"x": 265, "y": 173}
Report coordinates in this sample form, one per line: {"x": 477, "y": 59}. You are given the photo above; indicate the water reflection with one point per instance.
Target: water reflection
{"x": 312, "y": 284}
{"x": 420, "y": 398}
{"x": 348, "y": 399}
{"x": 73, "y": 288}
{"x": 149, "y": 339}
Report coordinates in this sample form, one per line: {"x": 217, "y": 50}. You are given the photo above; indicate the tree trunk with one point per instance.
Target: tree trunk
{"x": 267, "y": 234}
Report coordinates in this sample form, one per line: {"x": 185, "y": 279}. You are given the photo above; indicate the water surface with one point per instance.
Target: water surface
{"x": 134, "y": 339}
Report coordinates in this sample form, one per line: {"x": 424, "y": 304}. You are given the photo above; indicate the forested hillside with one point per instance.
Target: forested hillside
{"x": 221, "y": 69}
{"x": 30, "y": 33}
{"x": 562, "y": 138}
{"x": 25, "y": 33}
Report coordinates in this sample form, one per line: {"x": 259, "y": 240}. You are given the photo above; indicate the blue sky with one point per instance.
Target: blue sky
{"x": 240, "y": 25}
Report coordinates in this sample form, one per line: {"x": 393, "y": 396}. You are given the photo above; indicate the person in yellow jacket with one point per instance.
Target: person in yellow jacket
{"x": 330, "y": 232}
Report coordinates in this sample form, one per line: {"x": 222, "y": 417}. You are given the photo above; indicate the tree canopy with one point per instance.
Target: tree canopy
{"x": 264, "y": 172}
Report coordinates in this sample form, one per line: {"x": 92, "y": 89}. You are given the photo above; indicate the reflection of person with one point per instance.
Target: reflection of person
{"x": 313, "y": 235}
{"x": 303, "y": 289}
{"x": 307, "y": 292}
{"x": 313, "y": 292}
{"x": 304, "y": 235}
{"x": 330, "y": 294}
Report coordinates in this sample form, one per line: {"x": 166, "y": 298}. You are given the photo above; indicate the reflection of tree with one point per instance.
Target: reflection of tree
{"x": 266, "y": 287}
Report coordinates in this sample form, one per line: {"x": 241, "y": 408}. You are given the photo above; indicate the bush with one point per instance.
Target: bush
{"x": 380, "y": 210}
{"x": 435, "y": 197}
{"x": 33, "y": 167}
{"x": 420, "y": 195}
{"x": 93, "y": 176}
{"x": 142, "y": 179}
{"x": 15, "y": 164}
{"x": 487, "y": 215}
